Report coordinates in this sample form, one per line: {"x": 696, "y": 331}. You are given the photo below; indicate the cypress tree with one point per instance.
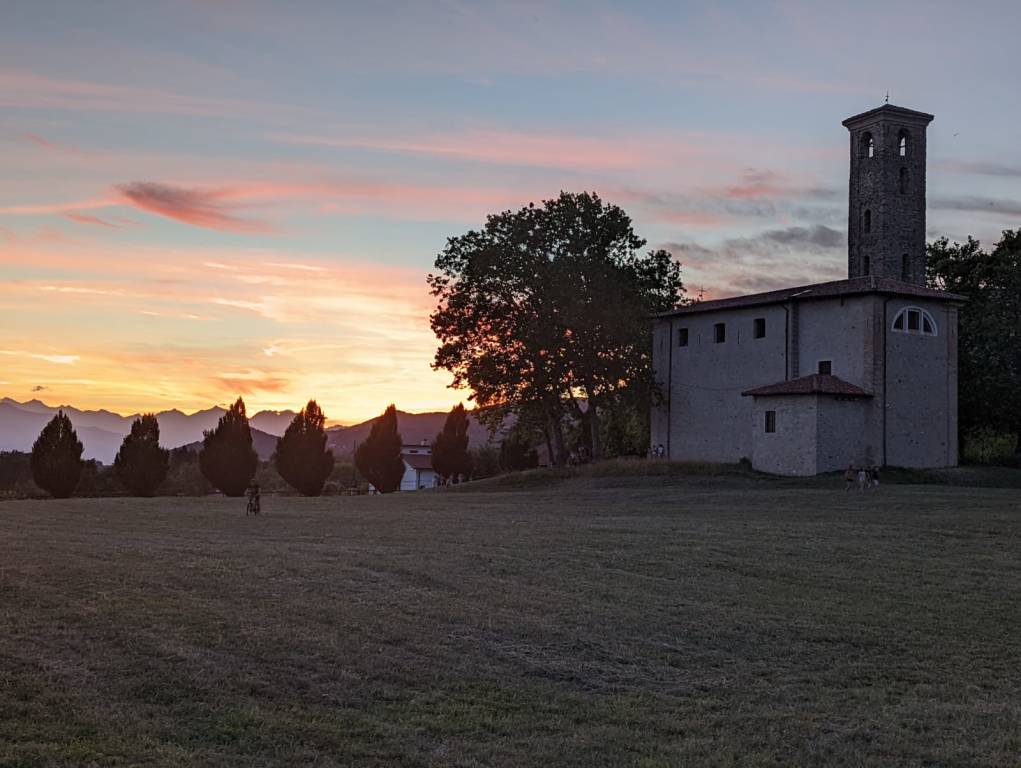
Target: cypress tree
{"x": 379, "y": 457}
{"x": 450, "y": 455}
{"x": 57, "y": 457}
{"x": 227, "y": 459}
{"x": 301, "y": 456}
{"x": 141, "y": 464}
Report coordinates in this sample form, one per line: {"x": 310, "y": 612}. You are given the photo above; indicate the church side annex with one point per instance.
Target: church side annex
{"x": 812, "y": 378}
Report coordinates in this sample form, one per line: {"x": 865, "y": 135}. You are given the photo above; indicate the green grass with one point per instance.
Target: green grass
{"x": 593, "y": 620}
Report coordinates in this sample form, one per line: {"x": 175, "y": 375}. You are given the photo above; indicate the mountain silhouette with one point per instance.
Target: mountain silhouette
{"x": 101, "y": 432}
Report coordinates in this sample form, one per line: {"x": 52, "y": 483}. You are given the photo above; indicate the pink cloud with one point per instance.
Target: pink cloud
{"x": 207, "y": 208}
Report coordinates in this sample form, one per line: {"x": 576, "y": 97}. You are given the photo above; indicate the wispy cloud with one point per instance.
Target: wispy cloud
{"x": 976, "y": 204}
{"x": 86, "y": 218}
{"x": 55, "y": 359}
{"x": 981, "y": 169}
{"x": 773, "y": 259}
{"x": 508, "y": 148}
{"x": 207, "y": 208}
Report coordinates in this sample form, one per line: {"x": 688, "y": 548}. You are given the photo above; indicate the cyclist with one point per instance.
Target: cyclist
{"x": 254, "y": 502}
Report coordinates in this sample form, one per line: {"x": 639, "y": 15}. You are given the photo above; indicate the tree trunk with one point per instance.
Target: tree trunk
{"x": 593, "y": 425}
{"x": 558, "y": 441}
{"x": 549, "y": 442}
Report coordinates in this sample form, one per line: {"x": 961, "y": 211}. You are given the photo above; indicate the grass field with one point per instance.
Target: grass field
{"x": 587, "y": 622}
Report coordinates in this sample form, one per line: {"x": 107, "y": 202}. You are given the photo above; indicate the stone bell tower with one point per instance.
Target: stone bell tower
{"x": 886, "y": 210}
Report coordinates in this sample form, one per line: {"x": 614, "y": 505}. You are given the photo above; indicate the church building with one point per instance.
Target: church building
{"x": 812, "y": 378}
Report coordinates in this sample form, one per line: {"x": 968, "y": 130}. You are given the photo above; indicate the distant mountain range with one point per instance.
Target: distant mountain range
{"x": 101, "y": 432}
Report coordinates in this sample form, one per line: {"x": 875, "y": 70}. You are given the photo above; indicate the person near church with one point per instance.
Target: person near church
{"x": 850, "y": 475}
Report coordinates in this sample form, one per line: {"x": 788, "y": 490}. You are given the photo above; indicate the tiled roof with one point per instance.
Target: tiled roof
{"x": 854, "y": 286}
{"x": 816, "y": 384}
{"x": 418, "y": 460}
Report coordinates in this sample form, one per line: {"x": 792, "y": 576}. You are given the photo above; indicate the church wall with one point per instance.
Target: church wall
{"x": 661, "y": 351}
{"x": 708, "y": 416}
{"x": 836, "y": 330}
{"x": 921, "y": 389}
{"x": 843, "y": 434}
{"x": 792, "y": 449}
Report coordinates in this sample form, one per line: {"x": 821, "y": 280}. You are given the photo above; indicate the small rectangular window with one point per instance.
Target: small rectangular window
{"x": 720, "y": 332}
{"x": 682, "y": 337}
{"x": 771, "y": 421}
{"x": 913, "y": 319}
{"x": 760, "y": 327}
{"x": 826, "y": 367}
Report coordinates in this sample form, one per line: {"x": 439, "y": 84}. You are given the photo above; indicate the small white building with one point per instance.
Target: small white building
{"x": 418, "y": 468}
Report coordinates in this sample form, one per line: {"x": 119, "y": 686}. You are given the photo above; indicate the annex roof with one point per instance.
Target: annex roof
{"x": 836, "y": 288}
{"x": 418, "y": 460}
{"x": 816, "y": 384}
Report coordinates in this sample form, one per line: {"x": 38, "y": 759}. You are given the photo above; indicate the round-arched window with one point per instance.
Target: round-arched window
{"x": 915, "y": 320}
{"x": 903, "y": 143}
{"x": 868, "y": 145}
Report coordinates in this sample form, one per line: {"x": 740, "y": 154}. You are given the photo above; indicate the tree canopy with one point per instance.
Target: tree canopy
{"x": 57, "y": 457}
{"x": 227, "y": 459}
{"x": 301, "y": 457}
{"x": 141, "y": 464}
{"x": 989, "y": 342}
{"x": 450, "y": 456}
{"x": 547, "y": 309}
{"x": 378, "y": 458}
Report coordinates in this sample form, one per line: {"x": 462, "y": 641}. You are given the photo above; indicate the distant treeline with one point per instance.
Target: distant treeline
{"x": 227, "y": 462}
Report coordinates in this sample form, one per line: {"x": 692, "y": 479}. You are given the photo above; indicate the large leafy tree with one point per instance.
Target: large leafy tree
{"x": 227, "y": 459}
{"x": 301, "y": 457}
{"x": 450, "y": 456}
{"x": 378, "y": 458}
{"x": 989, "y": 348}
{"x": 56, "y": 460}
{"x": 141, "y": 464}
{"x": 546, "y": 310}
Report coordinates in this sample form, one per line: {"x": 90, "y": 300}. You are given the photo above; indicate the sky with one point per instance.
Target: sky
{"x": 200, "y": 200}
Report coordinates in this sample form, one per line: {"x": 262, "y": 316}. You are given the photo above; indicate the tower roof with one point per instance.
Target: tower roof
{"x": 889, "y": 111}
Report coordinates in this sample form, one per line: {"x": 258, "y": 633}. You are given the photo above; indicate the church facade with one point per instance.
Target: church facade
{"x": 815, "y": 377}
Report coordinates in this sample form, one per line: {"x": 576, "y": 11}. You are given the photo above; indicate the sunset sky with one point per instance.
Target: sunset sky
{"x": 206, "y": 199}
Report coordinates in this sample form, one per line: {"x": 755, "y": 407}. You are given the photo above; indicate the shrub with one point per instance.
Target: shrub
{"x": 516, "y": 454}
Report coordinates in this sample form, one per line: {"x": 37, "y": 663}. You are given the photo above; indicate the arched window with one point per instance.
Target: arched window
{"x": 902, "y": 143}
{"x": 903, "y": 181}
{"x": 866, "y": 221}
{"x": 905, "y": 267}
{"x": 916, "y": 321}
{"x": 868, "y": 145}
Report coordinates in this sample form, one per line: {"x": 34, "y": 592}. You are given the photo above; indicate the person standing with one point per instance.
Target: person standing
{"x": 849, "y": 477}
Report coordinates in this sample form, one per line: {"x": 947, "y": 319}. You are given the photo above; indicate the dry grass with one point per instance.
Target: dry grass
{"x": 696, "y": 622}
